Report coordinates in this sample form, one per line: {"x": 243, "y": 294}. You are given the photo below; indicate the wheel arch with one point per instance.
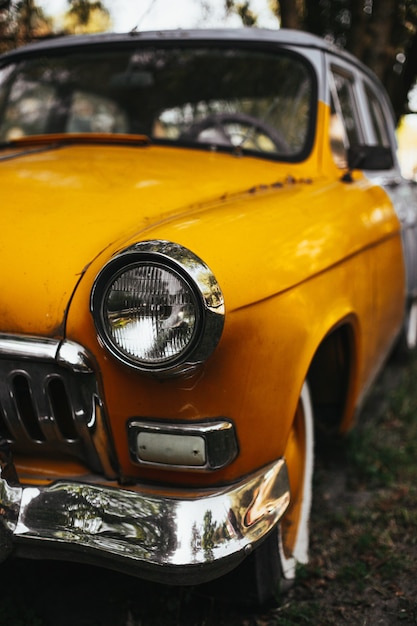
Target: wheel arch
{"x": 332, "y": 380}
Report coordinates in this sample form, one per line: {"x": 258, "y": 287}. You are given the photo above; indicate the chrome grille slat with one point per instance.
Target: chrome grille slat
{"x": 48, "y": 408}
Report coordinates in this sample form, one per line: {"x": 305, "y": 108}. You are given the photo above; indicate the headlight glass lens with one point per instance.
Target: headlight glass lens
{"x": 150, "y": 314}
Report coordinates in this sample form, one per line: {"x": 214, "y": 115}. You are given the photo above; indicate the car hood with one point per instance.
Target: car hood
{"x": 64, "y": 206}
{"x": 261, "y": 226}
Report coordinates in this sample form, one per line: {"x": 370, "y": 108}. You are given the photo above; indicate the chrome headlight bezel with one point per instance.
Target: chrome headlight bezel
{"x": 198, "y": 279}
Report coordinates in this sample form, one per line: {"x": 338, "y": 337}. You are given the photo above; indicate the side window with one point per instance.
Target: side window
{"x": 345, "y": 128}
{"x": 338, "y": 139}
{"x": 344, "y": 86}
{"x": 377, "y": 118}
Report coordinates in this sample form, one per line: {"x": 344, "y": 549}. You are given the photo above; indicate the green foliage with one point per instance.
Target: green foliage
{"x": 243, "y": 10}
{"x": 381, "y": 33}
{"x": 383, "y": 451}
{"x": 83, "y": 9}
{"x": 84, "y": 16}
{"x": 22, "y": 21}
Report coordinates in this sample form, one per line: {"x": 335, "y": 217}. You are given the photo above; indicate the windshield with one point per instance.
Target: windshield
{"x": 236, "y": 98}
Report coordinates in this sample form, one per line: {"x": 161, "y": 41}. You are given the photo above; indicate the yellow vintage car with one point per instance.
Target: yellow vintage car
{"x": 208, "y": 252}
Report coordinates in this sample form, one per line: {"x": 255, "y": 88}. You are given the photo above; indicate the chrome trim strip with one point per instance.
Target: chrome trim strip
{"x": 10, "y": 499}
{"x": 66, "y": 353}
{"x": 28, "y": 347}
{"x": 194, "y": 535}
{"x": 64, "y": 412}
{"x": 74, "y": 356}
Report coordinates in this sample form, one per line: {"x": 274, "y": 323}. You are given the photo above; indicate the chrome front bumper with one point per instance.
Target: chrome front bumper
{"x": 183, "y": 538}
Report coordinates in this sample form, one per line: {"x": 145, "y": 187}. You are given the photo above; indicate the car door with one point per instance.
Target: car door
{"x": 403, "y": 192}
{"x": 365, "y": 123}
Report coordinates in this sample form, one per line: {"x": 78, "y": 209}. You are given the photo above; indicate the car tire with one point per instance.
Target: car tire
{"x": 271, "y": 569}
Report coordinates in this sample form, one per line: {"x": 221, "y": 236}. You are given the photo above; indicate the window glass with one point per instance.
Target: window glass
{"x": 377, "y": 118}
{"x": 90, "y": 113}
{"x": 338, "y": 141}
{"x": 347, "y": 107}
{"x": 233, "y": 98}
{"x": 27, "y": 109}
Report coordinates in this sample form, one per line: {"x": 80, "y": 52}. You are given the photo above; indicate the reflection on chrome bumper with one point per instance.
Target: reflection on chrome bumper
{"x": 142, "y": 533}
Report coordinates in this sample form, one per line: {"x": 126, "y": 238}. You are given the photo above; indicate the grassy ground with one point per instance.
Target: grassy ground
{"x": 363, "y": 568}
{"x": 363, "y": 565}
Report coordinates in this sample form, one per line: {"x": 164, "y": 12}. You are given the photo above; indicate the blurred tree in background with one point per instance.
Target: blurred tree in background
{"x": 86, "y": 16}
{"x": 381, "y": 33}
{"x": 20, "y": 23}
{"x": 23, "y": 21}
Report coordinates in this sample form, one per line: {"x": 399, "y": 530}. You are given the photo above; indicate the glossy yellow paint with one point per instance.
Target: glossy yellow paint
{"x": 296, "y": 251}
{"x": 74, "y": 203}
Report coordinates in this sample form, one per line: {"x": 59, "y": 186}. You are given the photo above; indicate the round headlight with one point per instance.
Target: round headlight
{"x": 157, "y": 307}
{"x": 150, "y": 313}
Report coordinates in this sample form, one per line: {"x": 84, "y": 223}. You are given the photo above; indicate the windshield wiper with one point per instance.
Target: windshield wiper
{"x": 69, "y": 138}
{"x": 39, "y": 143}
{"x": 14, "y": 149}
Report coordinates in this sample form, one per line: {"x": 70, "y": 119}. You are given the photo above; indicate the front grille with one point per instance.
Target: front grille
{"x": 49, "y": 409}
